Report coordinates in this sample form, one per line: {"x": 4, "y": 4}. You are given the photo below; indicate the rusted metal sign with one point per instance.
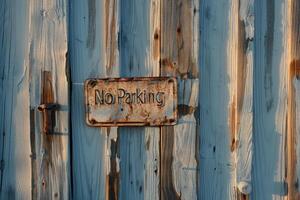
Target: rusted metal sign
{"x": 131, "y": 101}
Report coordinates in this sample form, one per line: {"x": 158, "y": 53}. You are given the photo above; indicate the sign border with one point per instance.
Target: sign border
{"x": 168, "y": 122}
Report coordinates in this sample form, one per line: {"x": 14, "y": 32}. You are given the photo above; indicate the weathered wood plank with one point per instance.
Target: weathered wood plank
{"x": 296, "y": 84}
{"x": 217, "y": 167}
{"x": 270, "y": 100}
{"x": 139, "y": 56}
{"x": 49, "y": 84}
{"x": 15, "y": 162}
{"x": 293, "y": 72}
{"x": 111, "y": 33}
{"x": 87, "y": 50}
{"x": 240, "y": 63}
{"x": 152, "y": 135}
{"x": 179, "y": 57}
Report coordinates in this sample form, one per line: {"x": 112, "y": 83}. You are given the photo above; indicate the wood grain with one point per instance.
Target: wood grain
{"x": 111, "y": 34}
{"x": 297, "y": 129}
{"x": 125, "y": 47}
{"x": 240, "y": 62}
{"x": 15, "y": 162}
{"x": 49, "y": 84}
{"x": 270, "y": 100}
{"x": 292, "y": 177}
{"x": 237, "y": 64}
{"x": 217, "y": 168}
{"x": 139, "y": 40}
{"x": 179, "y": 57}
{"x": 87, "y": 60}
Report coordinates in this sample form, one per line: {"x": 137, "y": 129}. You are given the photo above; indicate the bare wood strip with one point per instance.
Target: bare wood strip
{"x": 296, "y": 85}
{"x": 293, "y": 71}
{"x": 240, "y": 49}
{"x": 291, "y": 135}
{"x": 179, "y": 57}
{"x": 49, "y": 89}
{"x": 112, "y": 68}
{"x": 152, "y": 135}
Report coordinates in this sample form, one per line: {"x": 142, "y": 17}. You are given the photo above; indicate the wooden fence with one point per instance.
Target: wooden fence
{"x": 237, "y": 64}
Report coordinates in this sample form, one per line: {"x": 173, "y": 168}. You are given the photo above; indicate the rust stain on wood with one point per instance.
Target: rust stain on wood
{"x": 294, "y": 70}
{"x": 156, "y": 44}
{"x": 241, "y": 196}
{"x": 232, "y": 124}
{"x": 168, "y": 67}
{"x": 47, "y": 97}
{"x": 176, "y": 38}
{"x": 47, "y": 103}
{"x": 48, "y": 141}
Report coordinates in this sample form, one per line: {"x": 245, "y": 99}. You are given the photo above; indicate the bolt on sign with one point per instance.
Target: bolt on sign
{"x": 131, "y": 101}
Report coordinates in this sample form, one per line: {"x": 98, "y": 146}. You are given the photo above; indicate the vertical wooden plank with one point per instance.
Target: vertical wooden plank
{"x": 240, "y": 63}
{"x": 49, "y": 84}
{"x": 179, "y": 57}
{"x": 270, "y": 100}
{"x": 217, "y": 167}
{"x": 87, "y": 24}
{"x": 15, "y": 162}
{"x": 139, "y": 56}
{"x": 112, "y": 159}
{"x": 293, "y": 45}
{"x": 296, "y": 85}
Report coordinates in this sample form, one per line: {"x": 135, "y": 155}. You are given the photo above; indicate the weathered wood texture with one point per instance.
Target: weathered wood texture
{"x": 49, "y": 85}
{"x": 216, "y": 159}
{"x": 296, "y": 84}
{"x": 122, "y": 164}
{"x": 179, "y": 57}
{"x": 293, "y": 73}
{"x": 139, "y": 149}
{"x": 15, "y": 162}
{"x": 34, "y": 39}
{"x": 270, "y": 100}
{"x": 87, "y": 52}
{"x": 237, "y": 64}
{"x": 240, "y": 69}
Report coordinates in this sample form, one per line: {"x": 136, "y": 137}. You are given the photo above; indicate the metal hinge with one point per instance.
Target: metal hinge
{"x": 48, "y": 111}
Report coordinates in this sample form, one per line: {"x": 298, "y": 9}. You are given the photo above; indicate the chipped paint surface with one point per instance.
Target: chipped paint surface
{"x": 131, "y": 101}
{"x": 237, "y": 135}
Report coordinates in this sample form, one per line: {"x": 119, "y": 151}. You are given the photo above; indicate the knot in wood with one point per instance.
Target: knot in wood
{"x": 244, "y": 187}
